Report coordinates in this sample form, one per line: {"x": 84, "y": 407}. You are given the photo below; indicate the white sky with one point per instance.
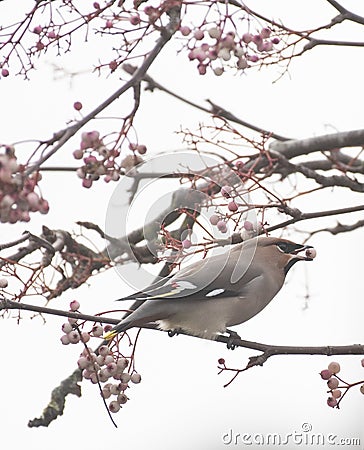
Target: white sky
{"x": 181, "y": 402}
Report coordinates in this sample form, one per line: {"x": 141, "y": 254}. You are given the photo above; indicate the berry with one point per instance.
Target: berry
{"x": 265, "y": 33}
{"x": 186, "y": 243}
{"x": 77, "y": 106}
{"x": 78, "y": 154}
{"x": 85, "y": 337}
{"x": 38, "y": 29}
{"x": 332, "y": 402}
{"x": 247, "y": 38}
{"x": 108, "y": 24}
{"x": 218, "y": 71}
{"x": 113, "y": 65}
{"x": 221, "y": 225}
{"x": 3, "y": 283}
{"x": 225, "y": 191}
{"x": 232, "y": 206}
{"x": 87, "y": 183}
{"x": 74, "y": 337}
{"x": 362, "y": 362}
{"x": 333, "y": 383}
{"x": 248, "y": 225}
{"x": 125, "y": 378}
{"x": 334, "y": 367}
{"x": 134, "y": 20}
{"x": 65, "y": 340}
{"x": 221, "y": 361}
{"x": 336, "y": 393}
{"x": 325, "y": 374}
{"x": 4, "y": 72}
{"x": 141, "y": 149}
{"x": 74, "y": 305}
{"x": 185, "y": 31}
{"x": 215, "y": 33}
{"x": 198, "y": 35}
{"x": 122, "y": 364}
{"x": 214, "y": 219}
{"x": 67, "y": 328}
{"x": 122, "y": 398}
{"x": 104, "y": 350}
{"x": 311, "y": 253}
{"x": 135, "y": 378}
{"x": 362, "y": 388}
{"x": 83, "y": 363}
{"x": 97, "y": 330}
{"x": 114, "y": 406}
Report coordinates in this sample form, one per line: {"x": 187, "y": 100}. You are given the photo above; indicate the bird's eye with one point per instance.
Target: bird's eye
{"x": 283, "y": 247}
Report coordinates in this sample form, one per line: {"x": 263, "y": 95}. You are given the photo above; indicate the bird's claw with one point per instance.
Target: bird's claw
{"x": 232, "y": 336}
{"x": 174, "y": 332}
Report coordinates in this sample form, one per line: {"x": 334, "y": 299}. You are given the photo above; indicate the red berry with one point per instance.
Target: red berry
{"x": 221, "y": 361}
{"x": 232, "y": 206}
{"x": 113, "y": 65}
{"x": 77, "y": 106}
{"x": 332, "y": 402}
{"x": 134, "y": 20}
{"x": 87, "y": 183}
{"x": 325, "y": 374}
{"x": 108, "y": 24}
{"x": 4, "y": 72}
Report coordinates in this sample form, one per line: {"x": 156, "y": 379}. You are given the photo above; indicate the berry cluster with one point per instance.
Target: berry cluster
{"x": 337, "y": 385}
{"x": 17, "y": 196}
{"x": 99, "y": 161}
{"x": 213, "y": 48}
{"x": 248, "y": 229}
{"x": 103, "y": 365}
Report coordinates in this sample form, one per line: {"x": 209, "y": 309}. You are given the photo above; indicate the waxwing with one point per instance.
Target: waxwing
{"x": 218, "y": 292}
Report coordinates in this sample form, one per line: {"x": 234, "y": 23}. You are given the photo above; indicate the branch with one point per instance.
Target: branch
{"x": 293, "y": 148}
{"x": 64, "y": 135}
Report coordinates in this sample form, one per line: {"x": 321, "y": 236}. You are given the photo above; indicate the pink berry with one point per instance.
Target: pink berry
{"x": 248, "y": 225}
{"x": 333, "y": 383}
{"x": 265, "y": 33}
{"x": 87, "y": 183}
{"x": 232, "y": 206}
{"x": 38, "y": 29}
{"x": 77, "y": 106}
{"x": 85, "y": 337}
{"x": 122, "y": 398}
{"x": 4, "y": 72}
{"x": 51, "y": 35}
{"x": 43, "y": 206}
{"x": 67, "y": 327}
{"x": 74, "y": 305}
{"x": 185, "y": 31}
{"x": 39, "y": 46}
{"x": 97, "y": 330}
{"x": 253, "y": 58}
{"x": 334, "y": 367}
{"x": 125, "y": 378}
{"x": 201, "y": 69}
{"x": 141, "y": 149}
{"x": 65, "y": 340}
{"x": 325, "y": 374}
{"x": 134, "y": 20}
{"x": 198, "y": 35}
{"x": 214, "y": 219}
{"x": 186, "y": 243}
{"x": 275, "y": 40}
{"x": 104, "y": 350}
{"x": 113, "y": 65}
{"x": 73, "y": 337}
{"x": 247, "y": 38}
{"x": 3, "y": 283}
{"x": 226, "y": 190}
{"x": 221, "y": 224}
{"x": 78, "y": 154}
{"x": 362, "y": 362}
{"x": 136, "y": 378}
{"x": 122, "y": 364}
{"x": 336, "y": 393}
{"x": 114, "y": 406}
{"x": 108, "y": 24}
{"x": 332, "y": 402}
{"x": 83, "y": 362}
{"x": 96, "y": 5}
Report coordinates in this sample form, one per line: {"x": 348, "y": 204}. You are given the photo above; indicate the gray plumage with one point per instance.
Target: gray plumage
{"x": 215, "y": 293}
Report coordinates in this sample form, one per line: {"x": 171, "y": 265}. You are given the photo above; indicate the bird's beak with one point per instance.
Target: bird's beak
{"x": 310, "y": 253}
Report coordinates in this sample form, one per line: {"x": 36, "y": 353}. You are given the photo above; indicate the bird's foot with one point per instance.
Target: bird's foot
{"x": 174, "y": 332}
{"x": 232, "y": 336}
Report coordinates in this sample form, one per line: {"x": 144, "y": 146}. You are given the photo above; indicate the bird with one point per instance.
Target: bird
{"x": 207, "y": 297}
